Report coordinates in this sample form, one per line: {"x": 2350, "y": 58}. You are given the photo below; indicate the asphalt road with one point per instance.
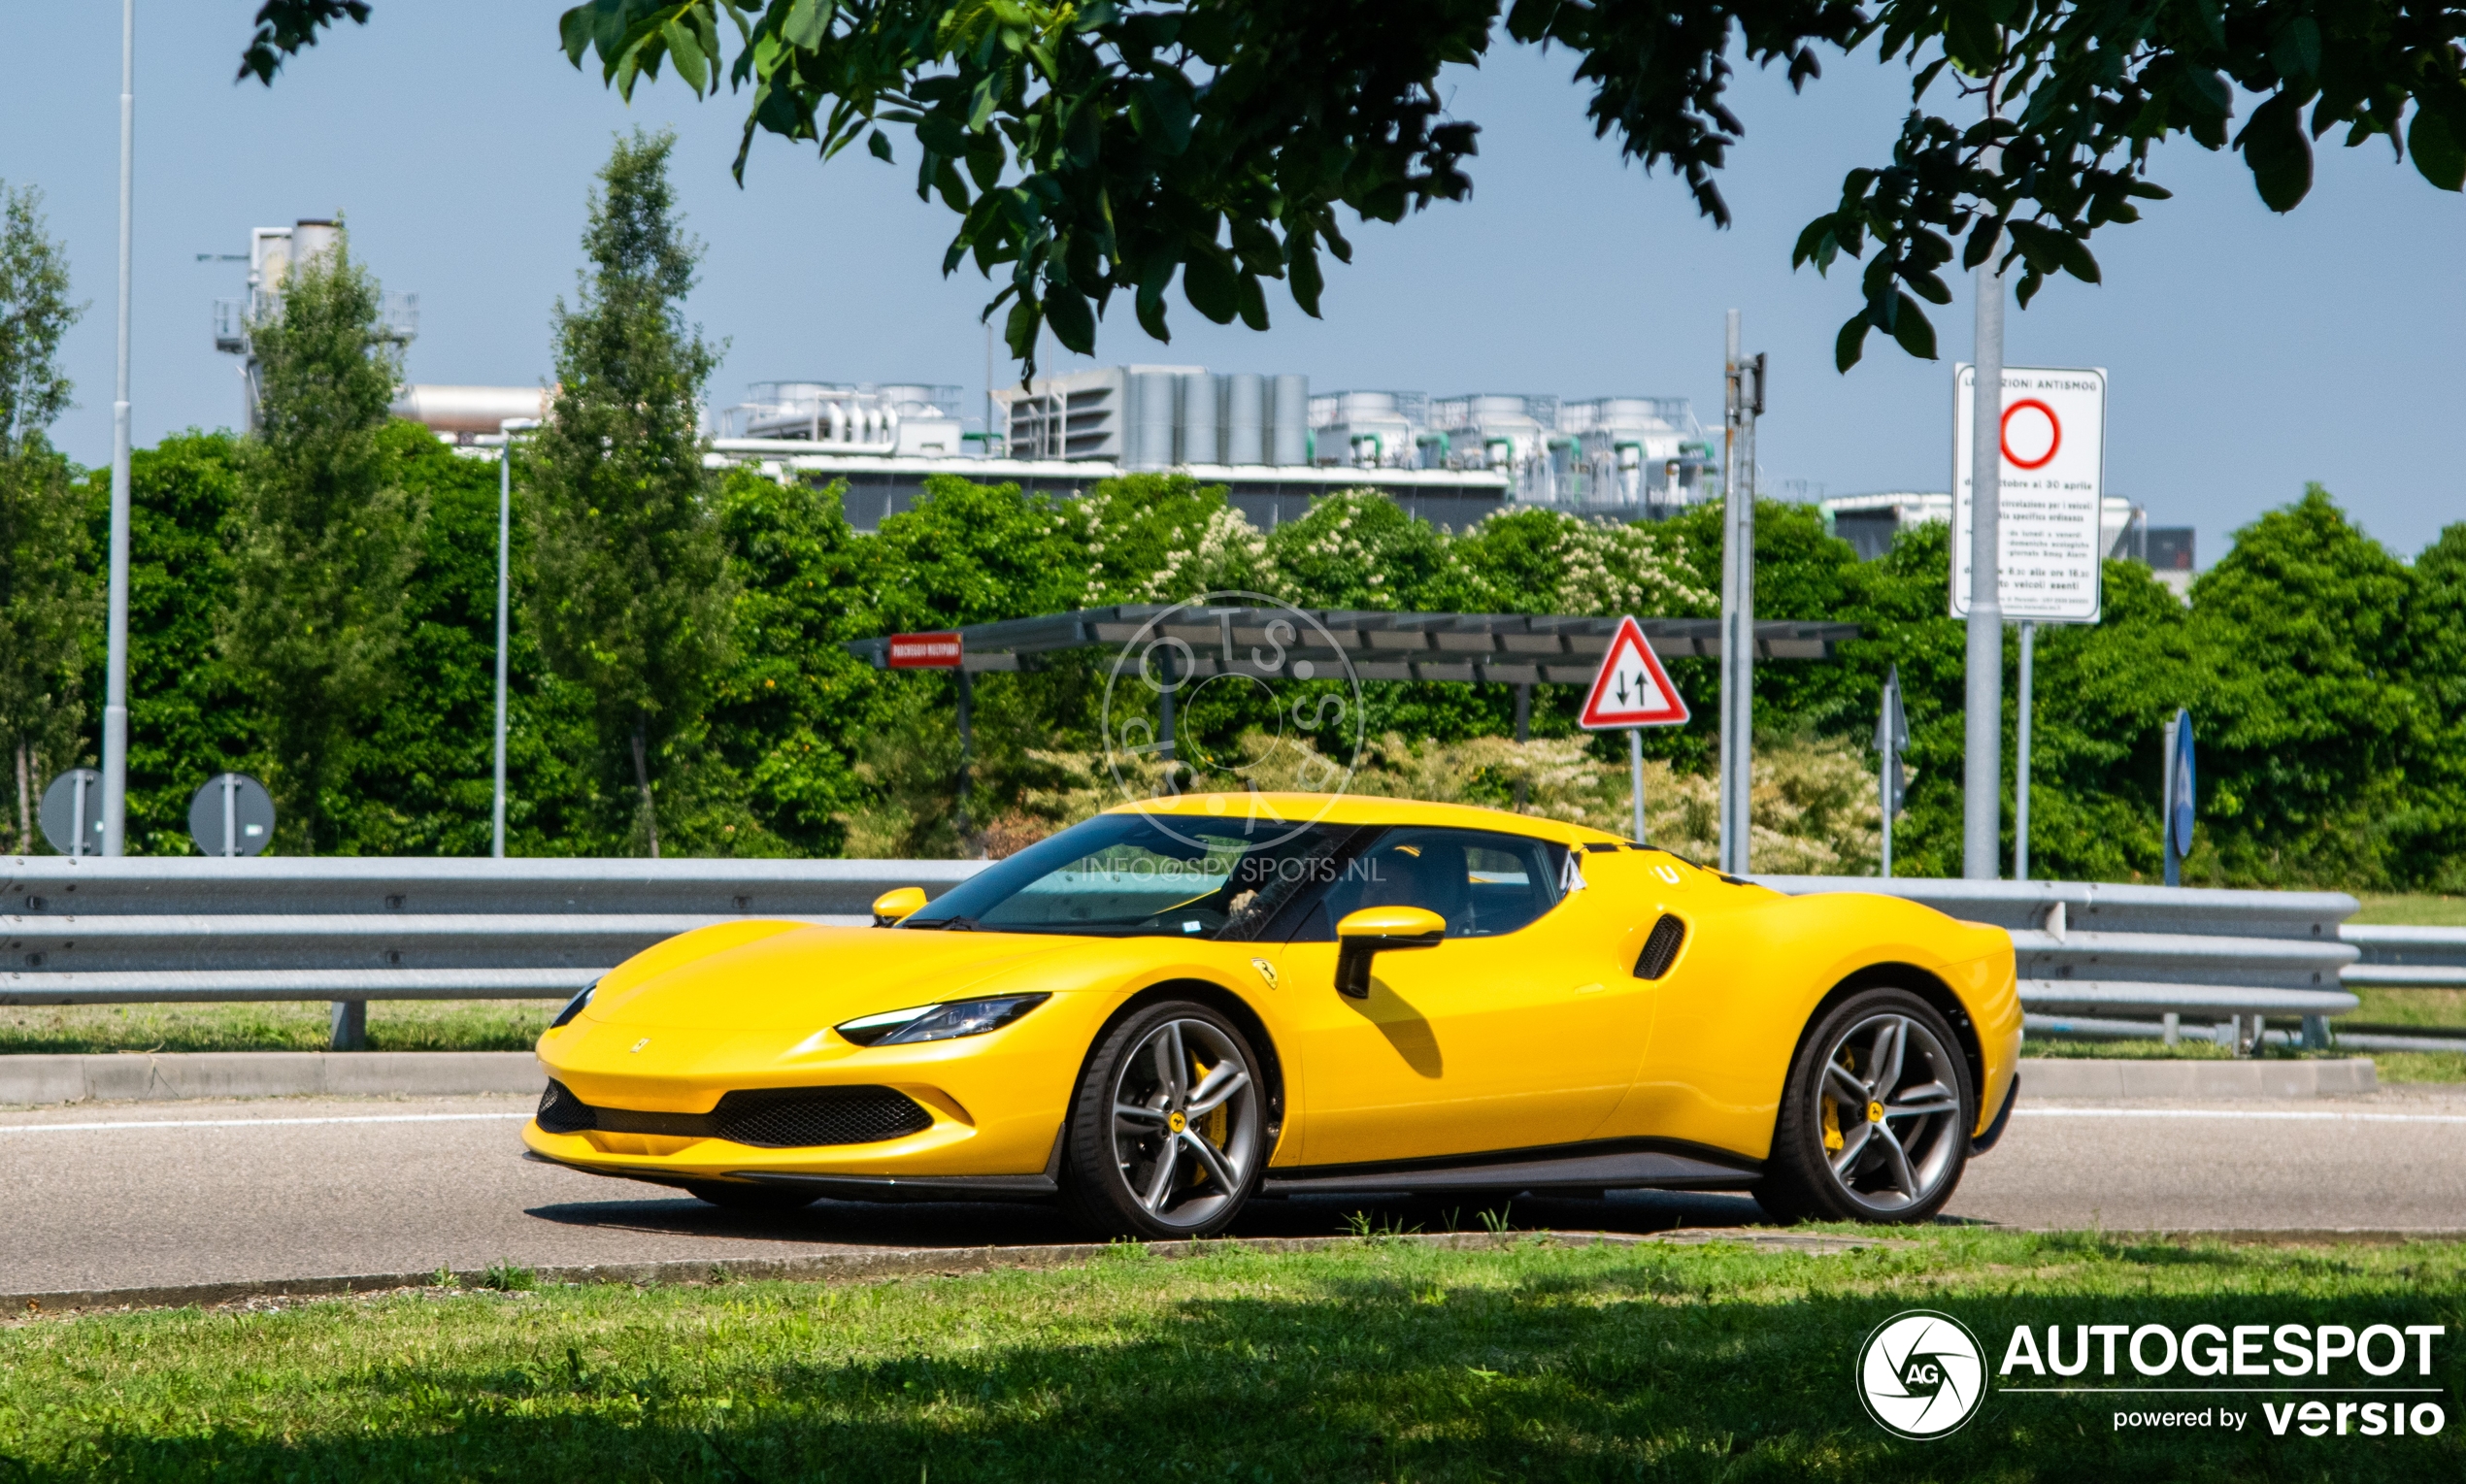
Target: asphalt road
{"x": 126, "y": 1195}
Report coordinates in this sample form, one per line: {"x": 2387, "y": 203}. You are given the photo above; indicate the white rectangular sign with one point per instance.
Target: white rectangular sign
{"x": 2054, "y": 473}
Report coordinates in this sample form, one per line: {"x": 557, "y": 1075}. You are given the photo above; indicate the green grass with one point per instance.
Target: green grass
{"x": 2414, "y": 910}
{"x": 1379, "y": 1361}
{"x": 402, "y": 1025}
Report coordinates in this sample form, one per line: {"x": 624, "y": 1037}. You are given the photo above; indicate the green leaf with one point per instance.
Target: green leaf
{"x": 1253, "y": 301}
{"x": 808, "y": 24}
{"x": 1816, "y": 245}
{"x": 1850, "y": 344}
{"x": 691, "y": 65}
{"x": 2435, "y": 149}
{"x": 574, "y": 30}
{"x": 1018, "y": 331}
{"x": 1074, "y": 323}
{"x": 2296, "y": 50}
{"x": 1207, "y": 282}
{"x": 879, "y": 144}
{"x": 2274, "y": 146}
{"x": 1911, "y": 329}
{"x": 2077, "y": 260}
{"x": 2206, "y": 92}
{"x": 1301, "y": 260}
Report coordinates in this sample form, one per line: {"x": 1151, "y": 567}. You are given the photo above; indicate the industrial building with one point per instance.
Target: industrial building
{"x": 1873, "y": 522}
{"x": 273, "y": 252}
{"x": 1273, "y": 446}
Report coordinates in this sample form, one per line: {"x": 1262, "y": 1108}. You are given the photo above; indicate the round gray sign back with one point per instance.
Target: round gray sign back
{"x": 74, "y": 793}
{"x": 232, "y": 814}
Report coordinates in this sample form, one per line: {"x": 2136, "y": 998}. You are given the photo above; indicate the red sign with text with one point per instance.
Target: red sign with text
{"x": 924, "y": 651}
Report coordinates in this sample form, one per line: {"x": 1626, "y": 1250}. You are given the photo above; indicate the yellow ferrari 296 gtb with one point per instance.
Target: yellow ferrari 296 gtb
{"x": 1175, "y": 1007}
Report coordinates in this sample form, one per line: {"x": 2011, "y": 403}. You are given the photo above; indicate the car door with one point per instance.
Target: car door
{"x": 1514, "y": 1033}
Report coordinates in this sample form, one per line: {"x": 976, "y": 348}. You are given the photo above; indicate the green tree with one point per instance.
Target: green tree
{"x": 2315, "y": 731}
{"x": 188, "y": 719}
{"x": 787, "y": 716}
{"x": 1095, "y": 150}
{"x": 46, "y": 603}
{"x": 633, "y": 593}
{"x": 324, "y": 538}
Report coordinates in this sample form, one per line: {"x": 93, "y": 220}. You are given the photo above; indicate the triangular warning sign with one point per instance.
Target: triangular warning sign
{"x": 1632, "y": 690}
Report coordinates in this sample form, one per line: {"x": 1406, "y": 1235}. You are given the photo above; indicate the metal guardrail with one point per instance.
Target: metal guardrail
{"x": 352, "y": 930}
{"x": 2088, "y": 950}
{"x": 2407, "y": 958}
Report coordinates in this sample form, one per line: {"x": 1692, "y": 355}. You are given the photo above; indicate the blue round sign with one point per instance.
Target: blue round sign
{"x": 2179, "y": 819}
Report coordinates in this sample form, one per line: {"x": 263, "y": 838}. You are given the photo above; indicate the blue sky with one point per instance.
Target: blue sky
{"x": 2247, "y": 352}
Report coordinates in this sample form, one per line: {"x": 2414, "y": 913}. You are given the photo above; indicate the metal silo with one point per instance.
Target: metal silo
{"x": 1199, "y": 442}
{"x": 1246, "y": 419}
{"x": 1288, "y": 421}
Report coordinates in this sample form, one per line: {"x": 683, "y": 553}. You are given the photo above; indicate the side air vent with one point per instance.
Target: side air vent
{"x": 1661, "y": 947}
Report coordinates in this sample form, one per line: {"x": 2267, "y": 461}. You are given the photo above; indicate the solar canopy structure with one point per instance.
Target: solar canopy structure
{"x": 1507, "y": 649}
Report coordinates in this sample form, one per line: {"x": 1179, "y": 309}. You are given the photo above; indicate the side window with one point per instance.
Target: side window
{"x": 1485, "y": 884}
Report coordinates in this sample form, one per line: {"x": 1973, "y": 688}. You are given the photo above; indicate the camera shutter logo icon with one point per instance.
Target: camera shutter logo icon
{"x": 1922, "y": 1374}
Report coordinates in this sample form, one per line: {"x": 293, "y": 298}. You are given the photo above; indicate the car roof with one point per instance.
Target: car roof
{"x": 1358, "y": 809}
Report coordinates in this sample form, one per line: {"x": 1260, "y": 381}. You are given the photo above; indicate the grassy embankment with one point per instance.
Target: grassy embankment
{"x": 1382, "y": 1361}
{"x": 402, "y": 1025}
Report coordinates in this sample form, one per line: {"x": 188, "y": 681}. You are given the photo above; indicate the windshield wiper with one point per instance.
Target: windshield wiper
{"x": 950, "y": 924}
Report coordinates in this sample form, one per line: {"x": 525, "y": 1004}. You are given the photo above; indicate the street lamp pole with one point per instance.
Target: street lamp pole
{"x": 115, "y": 655}
{"x": 505, "y": 589}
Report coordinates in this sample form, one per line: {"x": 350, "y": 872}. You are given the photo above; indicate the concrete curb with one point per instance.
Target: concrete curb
{"x": 2108, "y": 1079}
{"x": 892, "y": 1262}
{"x": 152, "y": 1077}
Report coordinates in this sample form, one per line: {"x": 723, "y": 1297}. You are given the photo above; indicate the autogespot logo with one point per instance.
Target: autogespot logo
{"x": 1922, "y": 1374}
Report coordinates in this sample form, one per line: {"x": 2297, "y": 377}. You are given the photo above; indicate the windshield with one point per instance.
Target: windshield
{"x": 1128, "y": 875}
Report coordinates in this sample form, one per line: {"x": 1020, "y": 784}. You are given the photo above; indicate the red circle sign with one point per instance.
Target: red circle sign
{"x": 2054, "y": 433}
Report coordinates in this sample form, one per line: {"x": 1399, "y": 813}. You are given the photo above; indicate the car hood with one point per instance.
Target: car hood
{"x": 790, "y": 976}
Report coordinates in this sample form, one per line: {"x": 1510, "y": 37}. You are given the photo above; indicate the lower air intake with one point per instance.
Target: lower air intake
{"x": 766, "y": 1118}
{"x": 561, "y": 1113}
{"x": 804, "y": 1117}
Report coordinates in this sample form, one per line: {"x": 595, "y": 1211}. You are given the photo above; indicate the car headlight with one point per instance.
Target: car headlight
{"x": 944, "y": 1021}
{"x": 574, "y": 1006}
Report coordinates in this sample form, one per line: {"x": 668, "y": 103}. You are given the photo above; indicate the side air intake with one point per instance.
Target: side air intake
{"x": 1661, "y": 947}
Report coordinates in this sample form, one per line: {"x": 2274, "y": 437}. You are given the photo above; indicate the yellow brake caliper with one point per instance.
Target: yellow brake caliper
{"x": 1832, "y": 1125}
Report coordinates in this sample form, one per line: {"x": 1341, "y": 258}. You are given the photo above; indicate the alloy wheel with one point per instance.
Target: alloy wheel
{"x": 1186, "y": 1122}
{"x": 1890, "y": 1109}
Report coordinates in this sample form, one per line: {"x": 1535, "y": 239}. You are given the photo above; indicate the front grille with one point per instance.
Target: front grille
{"x": 802, "y": 1117}
{"x": 766, "y": 1118}
{"x": 1660, "y": 947}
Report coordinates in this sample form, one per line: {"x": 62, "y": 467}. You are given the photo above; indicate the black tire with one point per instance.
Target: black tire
{"x": 1894, "y": 1152}
{"x": 1146, "y": 1156}
{"x": 734, "y": 1197}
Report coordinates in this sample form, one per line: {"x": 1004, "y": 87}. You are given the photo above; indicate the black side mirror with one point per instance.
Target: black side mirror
{"x": 1375, "y": 930}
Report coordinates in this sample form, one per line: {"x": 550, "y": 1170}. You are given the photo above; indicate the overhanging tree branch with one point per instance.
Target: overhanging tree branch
{"x": 1098, "y": 148}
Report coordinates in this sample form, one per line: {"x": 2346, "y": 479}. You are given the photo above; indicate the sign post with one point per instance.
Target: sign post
{"x": 231, "y": 815}
{"x": 1631, "y": 691}
{"x": 73, "y": 818}
{"x": 2046, "y": 519}
{"x": 1891, "y": 736}
{"x": 2176, "y": 813}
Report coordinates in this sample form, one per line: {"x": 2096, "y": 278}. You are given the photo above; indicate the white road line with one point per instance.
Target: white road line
{"x": 2279, "y": 1114}
{"x": 245, "y": 1123}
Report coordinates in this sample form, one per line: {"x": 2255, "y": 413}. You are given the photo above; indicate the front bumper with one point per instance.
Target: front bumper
{"x": 996, "y": 1101}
